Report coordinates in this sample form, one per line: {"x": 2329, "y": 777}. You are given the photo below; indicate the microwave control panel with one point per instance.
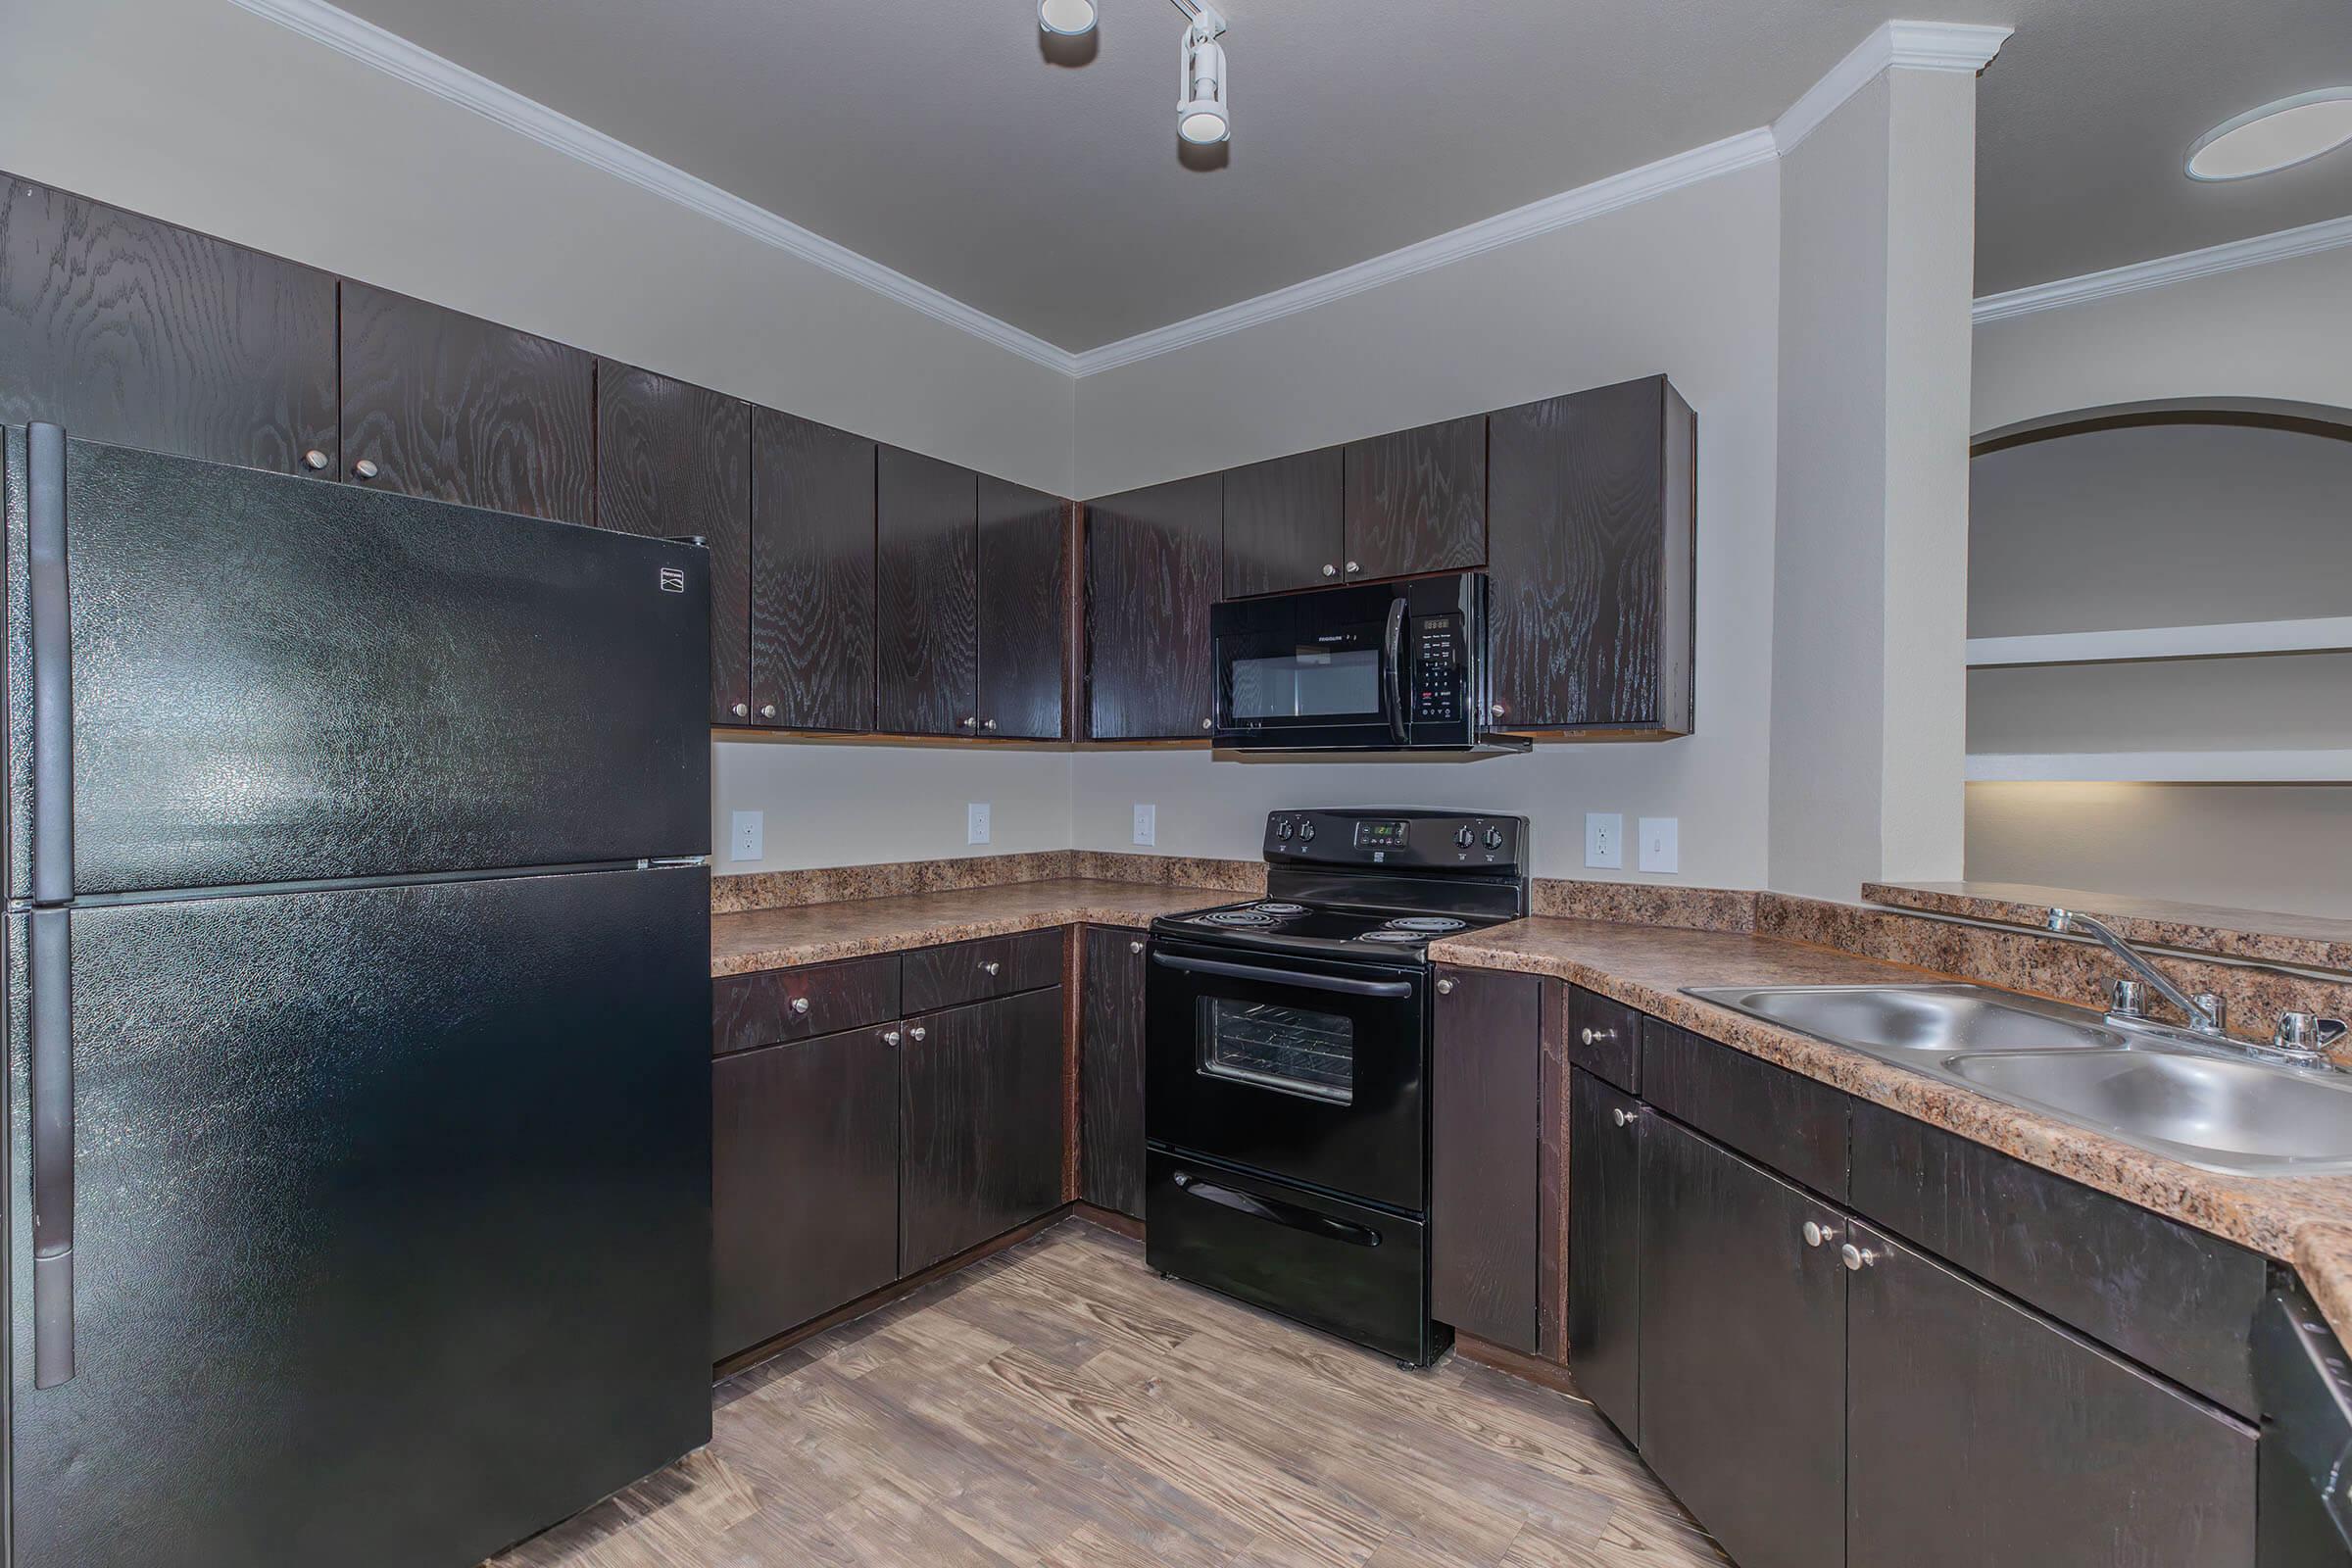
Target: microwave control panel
{"x": 1437, "y": 672}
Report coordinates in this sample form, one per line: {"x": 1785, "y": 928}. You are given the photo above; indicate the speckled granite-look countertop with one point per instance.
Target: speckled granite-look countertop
{"x": 2306, "y": 1221}
{"x": 814, "y": 933}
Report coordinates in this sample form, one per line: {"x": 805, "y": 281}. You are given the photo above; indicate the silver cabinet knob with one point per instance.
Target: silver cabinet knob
{"x": 1353, "y": 568}
{"x": 971, "y": 723}
{"x": 915, "y": 1033}
{"x": 991, "y": 968}
{"x": 800, "y": 1005}
{"x": 366, "y": 468}
{"x": 1134, "y": 947}
{"x": 890, "y": 1036}
{"x": 1816, "y": 1233}
{"x": 1208, "y": 723}
{"x": 314, "y": 459}
{"x": 988, "y": 723}
{"x": 1329, "y": 571}
{"x": 1593, "y": 1036}
{"x": 1624, "y": 1117}
{"x": 1444, "y": 988}
{"x": 1497, "y": 711}
{"x": 740, "y": 709}
{"x": 768, "y": 710}
{"x": 1857, "y": 1258}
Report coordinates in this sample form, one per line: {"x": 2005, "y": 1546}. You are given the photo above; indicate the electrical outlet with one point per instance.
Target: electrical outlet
{"x": 1604, "y": 840}
{"x": 975, "y": 822}
{"x": 1147, "y": 829}
{"x": 747, "y": 836}
{"x": 1661, "y": 850}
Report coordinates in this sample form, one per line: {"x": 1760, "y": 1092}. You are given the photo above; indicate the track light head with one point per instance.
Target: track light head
{"x": 1202, "y": 117}
{"x": 1067, "y": 19}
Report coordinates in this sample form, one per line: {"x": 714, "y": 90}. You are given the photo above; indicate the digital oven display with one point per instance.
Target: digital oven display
{"x": 1379, "y": 835}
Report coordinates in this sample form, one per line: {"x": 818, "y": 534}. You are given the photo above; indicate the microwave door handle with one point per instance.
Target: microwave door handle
{"x": 1344, "y": 985}
{"x": 1393, "y": 659}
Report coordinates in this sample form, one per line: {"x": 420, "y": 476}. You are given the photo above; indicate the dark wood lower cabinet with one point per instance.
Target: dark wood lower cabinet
{"x": 1742, "y": 1354}
{"x": 803, "y": 1182}
{"x": 1111, "y": 1072}
{"x": 1604, "y": 1249}
{"x": 1486, "y": 1181}
{"x": 980, "y": 1095}
{"x": 1981, "y": 1435}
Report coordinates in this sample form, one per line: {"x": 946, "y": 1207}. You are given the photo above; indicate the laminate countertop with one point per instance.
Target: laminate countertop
{"x": 2303, "y": 1220}
{"x": 816, "y": 933}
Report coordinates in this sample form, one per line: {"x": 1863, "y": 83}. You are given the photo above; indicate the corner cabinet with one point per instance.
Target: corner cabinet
{"x": 1486, "y": 1148}
{"x": 1110, "y": 1069}
{"x": 1155, "y": 563}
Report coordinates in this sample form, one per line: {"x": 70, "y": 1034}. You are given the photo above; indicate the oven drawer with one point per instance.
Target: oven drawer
{"x": 1359, "y": 1273}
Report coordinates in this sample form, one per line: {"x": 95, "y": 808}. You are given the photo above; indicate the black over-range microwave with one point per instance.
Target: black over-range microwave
{"x": 1389, "y": 666}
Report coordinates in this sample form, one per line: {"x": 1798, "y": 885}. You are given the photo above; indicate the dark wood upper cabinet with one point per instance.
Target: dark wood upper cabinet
{"x": 1024, "y": 611}
{"x": 1111, "y": 1072}
{"x": 1417, "y": 501}
{"x": 1592, "y": 499}
{"x": 813, "y": 575}
{"x": 138, "y": 333}
{"x": 927, "y": 619}
{"x": 980, "y": 1123}
{"x": 458, "y": 409}
{"x": 1486, "y": 1155}
{"x": 1283, "y": 530}
{"x": 1155, "y": 563}
{"x": 674, "y": 461}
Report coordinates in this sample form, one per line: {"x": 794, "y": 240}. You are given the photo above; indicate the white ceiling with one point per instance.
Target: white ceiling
{"x": 939, "y": 139}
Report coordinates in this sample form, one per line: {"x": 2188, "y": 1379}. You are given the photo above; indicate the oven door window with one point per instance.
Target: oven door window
{"x": 1318, "y": 682}
{"x": 1294, "y": 1050}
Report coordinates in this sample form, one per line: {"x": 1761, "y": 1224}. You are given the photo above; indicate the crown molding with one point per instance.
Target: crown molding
{"x": 2332, "y": 235}
{"x": 1895, "y": 45}
{"x": 396, "y": 56}
{"x": 1744, "y": 151}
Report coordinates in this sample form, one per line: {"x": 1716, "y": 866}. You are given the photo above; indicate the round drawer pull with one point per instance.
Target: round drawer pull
{"x": 1857, "y": 1258}
{"x": 915, "y": 1033}
{"x": 1816, "y": 1233}
{"x": 314, "y": 459}
{"x": 366, "y": 468}
{"x": 1624, "y": 1117}
{"x": 890, "y": 1036}
{"x": 990, "y": 967}
{"x": 740, "y": 709}
{"x": 799, "y": 1006}
{"x": 1593, "y": 1036}
{"x": 1134, "y": 947}
{"x": 768, "y": 710}
{"x": 1444, "y": 988}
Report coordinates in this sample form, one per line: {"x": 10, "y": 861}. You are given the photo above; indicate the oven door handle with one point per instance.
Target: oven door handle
{"x": 1392, "y": 657}
{"x": 1289, "y": 1215}
{"x": 1286, "y": 977}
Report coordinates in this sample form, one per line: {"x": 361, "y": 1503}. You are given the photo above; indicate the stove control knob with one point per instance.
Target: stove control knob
{"x": 1285, "y": 830}
{"x": 1493, "y": 838}
{"x": 1307, "y": 832}
{"x": 1463, "y": 836}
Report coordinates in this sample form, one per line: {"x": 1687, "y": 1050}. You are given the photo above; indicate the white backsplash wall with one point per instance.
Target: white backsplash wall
{"x": 830, "y": 804}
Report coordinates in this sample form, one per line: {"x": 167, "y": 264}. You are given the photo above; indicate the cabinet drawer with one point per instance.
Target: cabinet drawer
{"x": 1776, "y": 1118}
{"x": 2169, "y": 1297}
{"x": 1604, "y": 1037}
{"x": 766, "y": 1009}
{"x": 973, "y": 971}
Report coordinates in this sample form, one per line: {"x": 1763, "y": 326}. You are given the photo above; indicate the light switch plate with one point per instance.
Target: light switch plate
{"x": 1147, "y": 827}
{"x": 1661, "y": 848}
{"x": 1604, "y": 840}
{"x": 747, "y": 835}
{"x": 975, "y": 822}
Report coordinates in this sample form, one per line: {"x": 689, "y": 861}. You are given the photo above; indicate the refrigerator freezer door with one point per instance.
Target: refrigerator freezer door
{"x": 276, "y": 680}
{"x": 391, "y": 1230}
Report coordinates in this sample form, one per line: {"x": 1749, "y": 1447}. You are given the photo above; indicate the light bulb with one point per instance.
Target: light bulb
{"x": 1067, "y": 19}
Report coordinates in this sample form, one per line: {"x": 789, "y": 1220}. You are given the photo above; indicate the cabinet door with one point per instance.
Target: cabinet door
{"x": 803, "y": 1182}
{"x": 927, "y": 622}
{"x": 1154, "y": 563}
{"x": 1282, "y": 525}
{"x": 1590, "y": 547}
{"x": 1024, "y": 611}
{"x": 1983, "y": 1435}
{"x": 1743, "y": 1358}
{"x": 1417, "y": 501}
{"x": 1604, "y": 1249}
{"x": 459, "y": 409}
{"x": 980, "y": 1123}
{"x": 813, "y": 575}
{"x": 1111, "y": 1072}
{"x": 137, "y": 334}
{"x": 1486, "y": 1155}
{"x": 674, "y": 461}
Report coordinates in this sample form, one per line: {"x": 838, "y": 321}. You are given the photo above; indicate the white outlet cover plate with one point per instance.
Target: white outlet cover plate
{"x": 747, "y": 836}
{"x": 1604, "y": 840}
{"x": 1146, "y": 825}
{"x": 975, "y": 822}
{"x": 1661, "y": 845}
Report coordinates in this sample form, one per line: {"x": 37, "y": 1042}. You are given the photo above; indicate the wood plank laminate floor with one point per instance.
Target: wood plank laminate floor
{"x": 1061, "y": 1406}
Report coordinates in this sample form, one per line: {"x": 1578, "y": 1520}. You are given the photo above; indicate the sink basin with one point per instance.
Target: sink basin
{"x": 1900, "y": 1020}
{"x": 2237, "y": 1116}
{"x": 2182, "y": 1098}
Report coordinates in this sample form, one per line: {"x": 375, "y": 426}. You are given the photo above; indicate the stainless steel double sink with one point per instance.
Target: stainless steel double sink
{"x": 2198, "y": 1104}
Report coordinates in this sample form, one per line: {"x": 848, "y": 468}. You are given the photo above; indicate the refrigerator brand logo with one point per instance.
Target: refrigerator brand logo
{"x": 673, "y": 579}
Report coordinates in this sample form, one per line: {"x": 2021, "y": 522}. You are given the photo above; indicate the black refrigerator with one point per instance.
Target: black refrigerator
{"x": 357, "y": 1009}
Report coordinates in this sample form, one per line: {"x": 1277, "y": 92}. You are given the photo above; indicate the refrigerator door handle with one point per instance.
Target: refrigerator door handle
{"x": 52, "y": 615}
{"x": 52, "y": 1074}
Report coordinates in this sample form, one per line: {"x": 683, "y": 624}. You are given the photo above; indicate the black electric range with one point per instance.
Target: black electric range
{"x": 1287, "y": 1067}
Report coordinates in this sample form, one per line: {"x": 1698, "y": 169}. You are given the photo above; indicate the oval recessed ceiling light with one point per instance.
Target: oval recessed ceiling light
{"x": 1067, "y": 18}
{"x": 2262, "y": 141}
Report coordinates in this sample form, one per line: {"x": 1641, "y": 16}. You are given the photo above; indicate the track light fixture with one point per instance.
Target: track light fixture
{"x": 1067, "y": 19}
{"x": 1202, "y": 117}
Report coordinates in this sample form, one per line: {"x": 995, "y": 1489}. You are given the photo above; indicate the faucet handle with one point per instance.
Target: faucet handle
{"x": 2127, "y": 999}
{"x": 2307, "y": 1034}
{"x": 2216, "y": 1009}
